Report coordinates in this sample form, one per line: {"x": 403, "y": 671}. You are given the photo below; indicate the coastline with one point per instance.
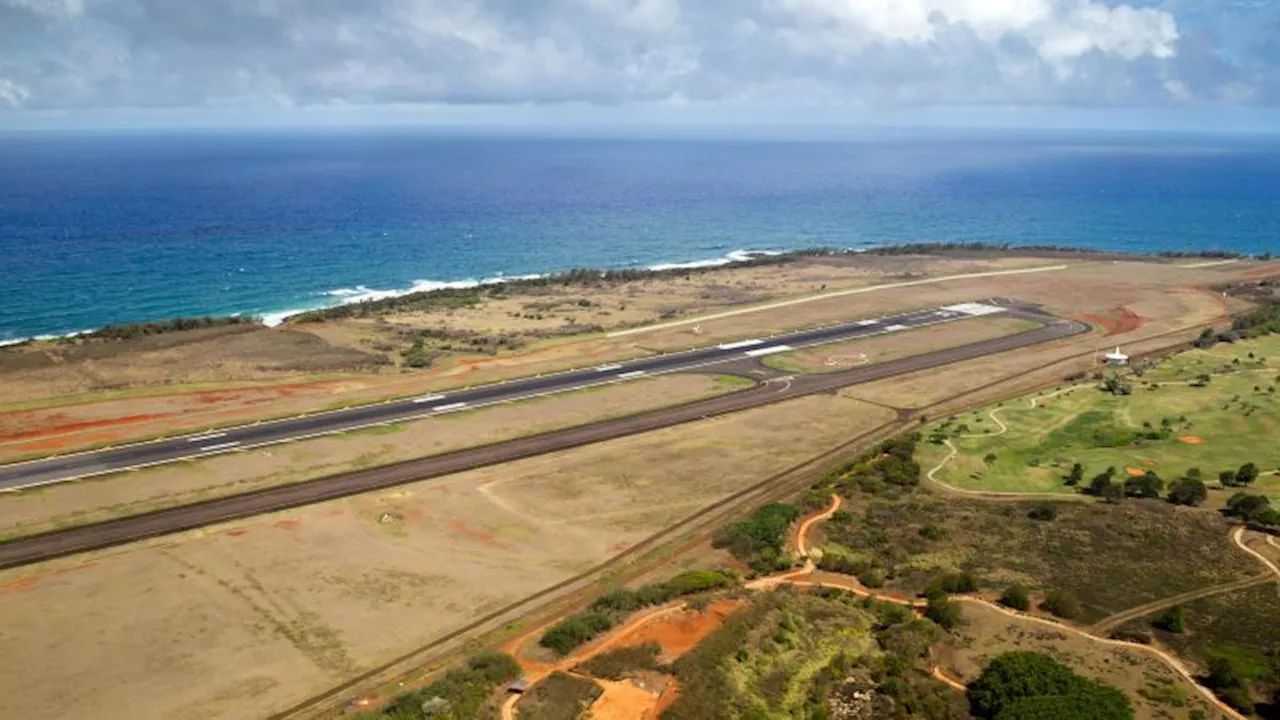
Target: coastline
{"x": 361, "y": 294}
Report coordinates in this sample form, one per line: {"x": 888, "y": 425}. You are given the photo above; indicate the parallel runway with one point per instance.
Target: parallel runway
{"x": 82, "y": 465}
{"x": 35, "y": 548}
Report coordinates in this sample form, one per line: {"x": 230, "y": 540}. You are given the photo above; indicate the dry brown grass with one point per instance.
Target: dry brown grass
{"x": 98, "y": 499}
{"x": 1154, "y": 689}
{"x": 240, "y": 620}
{"x": 893, "y": 346}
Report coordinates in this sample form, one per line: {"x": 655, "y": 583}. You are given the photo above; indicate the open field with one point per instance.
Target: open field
{"x": 268, "y": 611}
{"x": 121, "y": 494}
{"x": 61, "y": 407}
{"x": 885, "y": 348}
{"x": 1035, "y": 440}
{"x": 1111, "y": 557}
{"x": 1152, "y": 687}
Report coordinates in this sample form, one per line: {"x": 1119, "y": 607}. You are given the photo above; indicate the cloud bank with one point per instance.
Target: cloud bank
{"x": 94, "y": 54}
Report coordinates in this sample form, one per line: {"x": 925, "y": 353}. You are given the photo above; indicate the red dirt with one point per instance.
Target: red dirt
{"x": 288, "y": 524}
{"x": 480, "y": 536}
{"x": 1265, "y": 271}
{"x": 1135, "y": 472}
{"x": 83, "y": 425}
{"x": 236, "y": 533}
{"x": 667, "y": 698}
{"x": 681, "y": 632}
{"x": 1117, "y": 321}
{"x": 1191, "y": 440}
{"x": 1148, "y": 462}
{"x": 623, "y": 701}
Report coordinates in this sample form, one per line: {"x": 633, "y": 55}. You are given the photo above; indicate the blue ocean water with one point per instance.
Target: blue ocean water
{"x": 123, "y": 228}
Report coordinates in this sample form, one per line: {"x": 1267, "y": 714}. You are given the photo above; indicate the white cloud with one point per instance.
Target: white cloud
{"x": 853, "y": 53}
{"x": 12, "y": 94}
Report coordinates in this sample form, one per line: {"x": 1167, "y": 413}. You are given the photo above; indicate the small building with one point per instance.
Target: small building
{"x": 519, "y": 687}
{"x": 1116, "y": 357}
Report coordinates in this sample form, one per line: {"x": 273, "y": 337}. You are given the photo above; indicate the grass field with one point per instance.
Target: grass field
{"x": 1029, "y": 444}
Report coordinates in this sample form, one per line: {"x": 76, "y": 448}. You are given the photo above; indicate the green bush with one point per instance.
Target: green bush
{"x": 576, "y": 629}
{"x": 618, "y": 664}
{"x": 1016, "y": 597}
{"x": 463, "y": 689}
{"x": 1027, "y": 685}
{"x": 942, "y": 611}
{"x": 1062, "y": 603}
{"x": 1172, "y": 620}
{"x": 758, "y": 540}
{"x": 961, "y": 582}
{"x": 1043, "y": 510}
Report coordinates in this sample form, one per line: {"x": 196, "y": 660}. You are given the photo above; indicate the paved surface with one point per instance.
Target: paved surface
{"x": 81, "y": 465}
{"x": 36, "y": 548}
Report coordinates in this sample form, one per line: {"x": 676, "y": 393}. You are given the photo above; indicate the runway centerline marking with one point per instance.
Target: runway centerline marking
{"x": 739, "y": 345}
{"x": 428, "y": 398}
{"x": 768, "y": 351}
{"x": 209, "y": 436}
{"x": 449, "y": 408}
{"x": 632, "y": 374}
{"x": 608, "y": 368}
{"x": 219, "y": 446}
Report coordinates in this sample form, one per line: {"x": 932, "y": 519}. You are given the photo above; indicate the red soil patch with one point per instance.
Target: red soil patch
{"x": 1117, "y": 321}
{"x": 1148, "y": 462}
{"x": 479, "y": 536}
{"x": 83, "y": 425}
{"x": 1135, "y": 472}
{"x": 236, "y": 533}
{"x": 1191, "y": 440}
{"x": 624, "y": 701}
{"x": 287, "y": 524}
{"x": 681, "y": 632}
{"x": 667, "y": 699}
{"x": 1263, "y": 272}
{"x": 61, "y": 443}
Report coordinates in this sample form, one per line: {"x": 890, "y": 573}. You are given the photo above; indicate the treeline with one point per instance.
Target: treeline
{"x": 615, "y": 605}
{"x": 460, "y": 693}
{"x": 160, "y": 327}
{"x": 925, "y": 247}
{"x": 760, "y": 540}
{"x": 1189, "y": 489}
{"x": 465, "y": 297}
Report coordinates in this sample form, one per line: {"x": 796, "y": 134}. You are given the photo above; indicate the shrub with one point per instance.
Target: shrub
{"x": 942, "y": 611}
{"x": 1033, "y": 686}
{"x": 576, "y": 629}
{"x": 461, "y": 690}
{"x": 1247, "y": 507}
{"x": 1043, "y": 510}
{"x": 961, "y": 582}
{"x": 1016, "y": 597}
{"x": 1062, "y": 603}
{"x": 1187, "y": 491}
{"x": 758, "y": 540}
{"x": 617, "y": 664}
{"x": 1172, "y": 620}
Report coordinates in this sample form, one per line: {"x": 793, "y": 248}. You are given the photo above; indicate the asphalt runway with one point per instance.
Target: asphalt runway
{"x": 36, "y": 548}
{"x": 81, "y": 465}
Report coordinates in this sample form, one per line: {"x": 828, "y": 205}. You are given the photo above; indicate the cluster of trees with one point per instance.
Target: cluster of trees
{"x": 458, "y": 694}
{"x": 614, "y": 605}
{"x": 1253, "y": 509}
{"x": 1027, "y": 685}
{"x": 1263, "y": 320}
{"x": 1061, "y": 603}
{"x": 940, "y": 609}
{"x": 891, "y": 463}
{"x": 1190, "y": 489}
{"x": 759, "y": 540}
{"x": 134, "y": 330}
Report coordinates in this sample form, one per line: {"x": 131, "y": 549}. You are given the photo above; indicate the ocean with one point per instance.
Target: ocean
{"x": 108, "y": 229}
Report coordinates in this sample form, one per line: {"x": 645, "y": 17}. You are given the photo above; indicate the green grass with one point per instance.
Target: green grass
{"x": 1085, "y": 424}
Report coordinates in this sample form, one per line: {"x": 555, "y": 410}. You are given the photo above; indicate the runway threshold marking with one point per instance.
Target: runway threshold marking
{"x": 896, "y": 328}
{"x": 867, "y": 323}
{"x": 739, "y": 345}
{"x": 219, "y": 446}
{"x": 428, "y": 398}
{"x": 209, "y": 436}
{"x": 449, "y": 408}
{"x": 608, "y": 368}
{"x": 768, "y": 351}
{"x": 632, "y": 374}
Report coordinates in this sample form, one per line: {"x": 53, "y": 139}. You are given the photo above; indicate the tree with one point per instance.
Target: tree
{"x": 942, "y": 611}
{"x": 1247, "y": 507}
{"x": 1043, "y": 510}
{"x": 1172, "y": 620}
{"x": 1077, "y": 474}
{"x": 1062, "y": 603}
{"x": 1227, "y": 478}
{"x": 1187, "y": 491}
{"x": 1100, "y": 482}
{"x": 1016, "y": 597}
{"x": 1033, "y": 686}
{"x": 1194, "y": 473}
{"x": 1247, "y": 473}
{"x": 990, "y": 458}
{"x": 1148, "y": 485}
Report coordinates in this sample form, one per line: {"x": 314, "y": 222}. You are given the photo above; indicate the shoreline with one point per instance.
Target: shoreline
{"x": 361, "y": 295}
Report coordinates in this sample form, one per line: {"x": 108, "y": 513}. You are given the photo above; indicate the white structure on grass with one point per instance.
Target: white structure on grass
{"x": 1117, "y": 358}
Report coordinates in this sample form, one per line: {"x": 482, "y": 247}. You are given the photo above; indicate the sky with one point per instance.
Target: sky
{"x": 1141, "y": 64}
